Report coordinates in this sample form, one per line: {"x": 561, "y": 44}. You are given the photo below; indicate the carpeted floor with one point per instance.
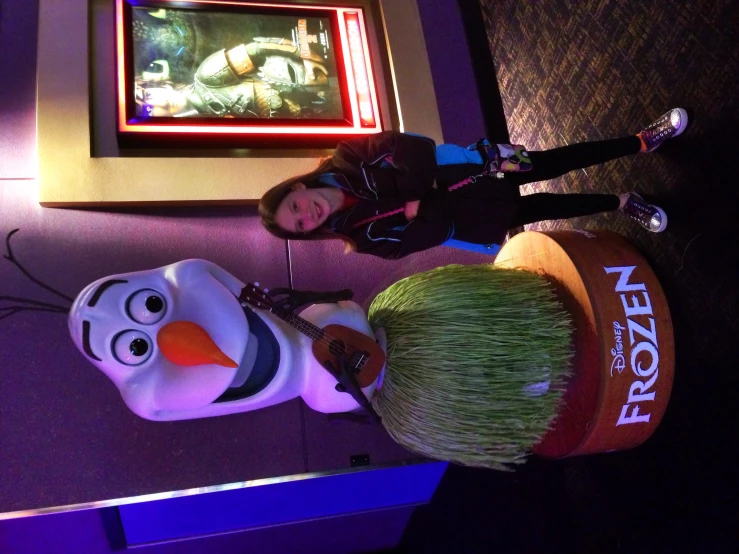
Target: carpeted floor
{"x": 572, "y": 71}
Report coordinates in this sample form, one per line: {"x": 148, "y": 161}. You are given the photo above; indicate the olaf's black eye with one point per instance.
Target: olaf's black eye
{"x": 146, "y": 307}
{"x": 132, "y": 347}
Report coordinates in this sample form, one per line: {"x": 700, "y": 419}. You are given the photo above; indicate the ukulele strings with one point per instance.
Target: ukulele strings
{"x": 311, "y": 330}
{"x": 325, "y": 338}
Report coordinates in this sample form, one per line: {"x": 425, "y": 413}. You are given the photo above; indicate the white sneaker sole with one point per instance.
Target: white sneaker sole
{"x": 683, "y": 121}
{"x": 662, "y": 218}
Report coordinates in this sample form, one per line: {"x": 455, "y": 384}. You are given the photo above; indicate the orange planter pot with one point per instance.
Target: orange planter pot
{"x": 623, "y": 340}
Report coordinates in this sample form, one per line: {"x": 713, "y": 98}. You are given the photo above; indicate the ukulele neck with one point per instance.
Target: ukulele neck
{"x": 253, "y": 296}
{"x": 302, "y": 325}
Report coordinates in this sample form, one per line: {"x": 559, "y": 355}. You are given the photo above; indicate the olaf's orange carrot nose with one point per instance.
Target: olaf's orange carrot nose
{"x": 188, "y": 344}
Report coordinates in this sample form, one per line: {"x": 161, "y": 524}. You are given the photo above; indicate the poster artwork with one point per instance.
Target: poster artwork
{"x": 210, "y": 64}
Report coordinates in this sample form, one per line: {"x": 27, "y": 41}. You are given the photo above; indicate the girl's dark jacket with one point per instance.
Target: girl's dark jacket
{"x": 388, "y": 169}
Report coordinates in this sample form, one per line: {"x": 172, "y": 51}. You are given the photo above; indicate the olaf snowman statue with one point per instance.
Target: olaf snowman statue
{"x": 190, "y": 340}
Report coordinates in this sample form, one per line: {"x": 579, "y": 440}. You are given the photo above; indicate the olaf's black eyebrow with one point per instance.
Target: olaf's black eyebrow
{"x": 105, "y": 285}
{"x": 86, "y": 341}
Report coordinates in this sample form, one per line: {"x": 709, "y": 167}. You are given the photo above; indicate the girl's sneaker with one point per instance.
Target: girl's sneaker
{"x": 670, "y": 125}
{"x": 652, "y": 218}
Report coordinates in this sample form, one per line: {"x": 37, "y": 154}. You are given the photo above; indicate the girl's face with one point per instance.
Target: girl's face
{"x": 303, "y": 210}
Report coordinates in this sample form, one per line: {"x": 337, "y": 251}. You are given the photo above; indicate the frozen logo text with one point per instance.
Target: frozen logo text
{"x": 644, "y": 355}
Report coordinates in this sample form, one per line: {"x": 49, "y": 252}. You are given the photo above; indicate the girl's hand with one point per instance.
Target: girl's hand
{"x": 411, "y": 209}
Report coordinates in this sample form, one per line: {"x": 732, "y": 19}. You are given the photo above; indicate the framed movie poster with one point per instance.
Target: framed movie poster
{"x": 212, "y": 71}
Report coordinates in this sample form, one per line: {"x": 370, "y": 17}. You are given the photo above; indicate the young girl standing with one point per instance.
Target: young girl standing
{"x": 392, "y": 194}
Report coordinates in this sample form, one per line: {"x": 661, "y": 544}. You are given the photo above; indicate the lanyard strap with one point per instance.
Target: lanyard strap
{"x": 467, "y": 181}
{"x": 376, "y": 217}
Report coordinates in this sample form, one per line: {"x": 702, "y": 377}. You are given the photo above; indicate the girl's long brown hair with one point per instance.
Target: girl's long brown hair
{"x": 272, "y": 199}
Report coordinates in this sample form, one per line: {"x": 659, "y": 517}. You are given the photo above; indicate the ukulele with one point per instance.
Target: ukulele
{"x": 365, "y": 356}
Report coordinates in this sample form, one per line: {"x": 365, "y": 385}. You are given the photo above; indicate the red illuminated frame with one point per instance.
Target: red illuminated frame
{"x": 360, "y": 114}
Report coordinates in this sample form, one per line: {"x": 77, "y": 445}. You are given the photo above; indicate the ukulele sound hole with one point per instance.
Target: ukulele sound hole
{"x": 337, "y": 347}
